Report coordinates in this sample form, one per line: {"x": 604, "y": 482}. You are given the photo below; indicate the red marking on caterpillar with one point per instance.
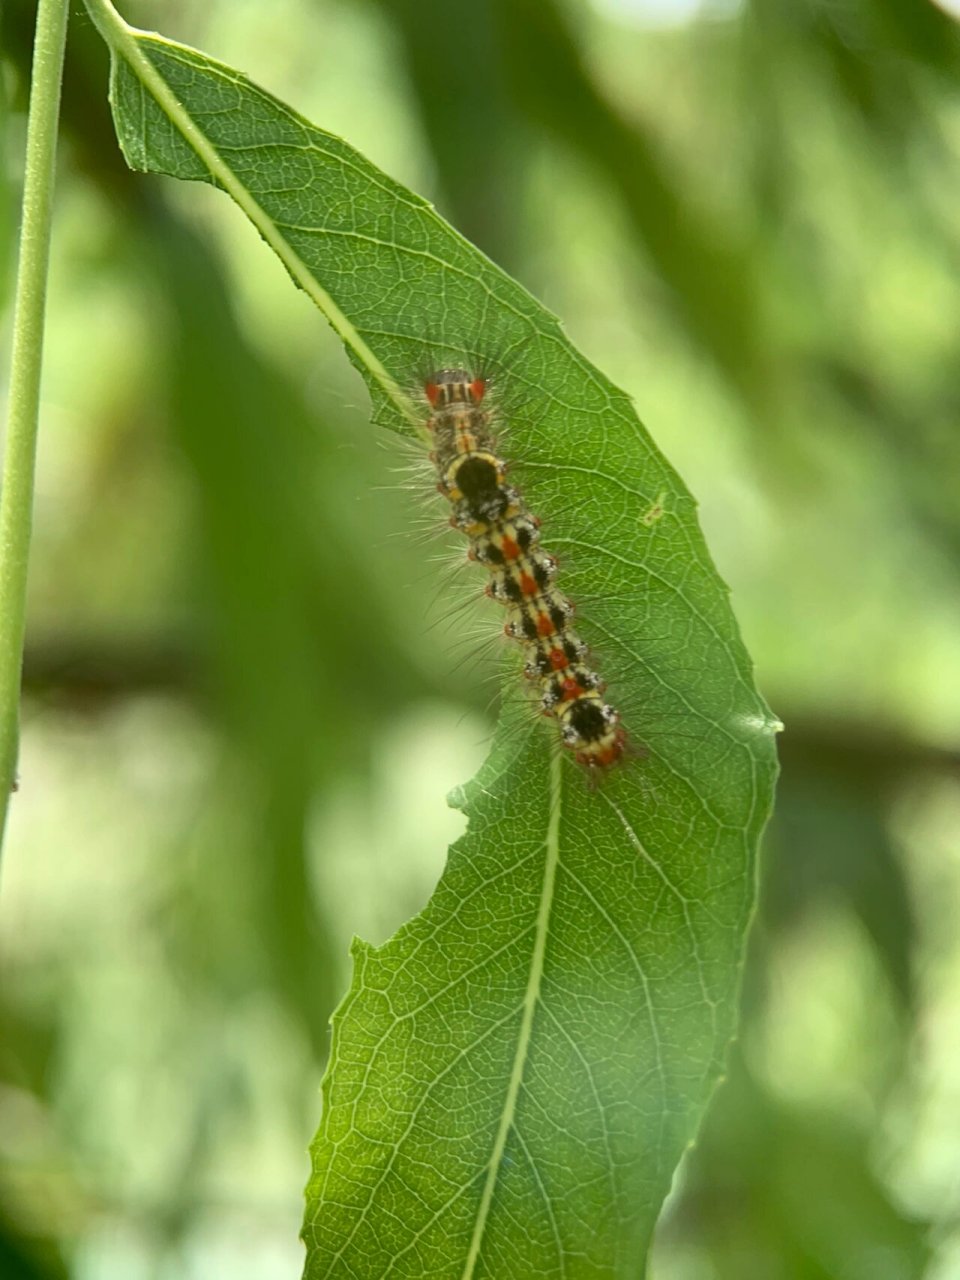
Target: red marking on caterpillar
{"x": 504, "y": 536}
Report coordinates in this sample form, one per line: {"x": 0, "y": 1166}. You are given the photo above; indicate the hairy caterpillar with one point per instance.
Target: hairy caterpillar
{"x": 504, "y": 536}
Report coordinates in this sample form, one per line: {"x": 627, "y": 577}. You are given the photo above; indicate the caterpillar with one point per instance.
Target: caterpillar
{"x": 504, "y": 537}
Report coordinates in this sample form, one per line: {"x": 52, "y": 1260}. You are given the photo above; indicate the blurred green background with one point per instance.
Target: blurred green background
{"x": 239, "y": 729}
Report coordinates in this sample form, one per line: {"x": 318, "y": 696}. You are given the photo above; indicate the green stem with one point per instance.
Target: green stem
{"x": 16, "y": 496}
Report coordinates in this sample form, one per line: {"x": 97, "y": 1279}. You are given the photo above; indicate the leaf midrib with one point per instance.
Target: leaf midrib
{"x": 122, "y": 40}
{"x": 531, "y": 998}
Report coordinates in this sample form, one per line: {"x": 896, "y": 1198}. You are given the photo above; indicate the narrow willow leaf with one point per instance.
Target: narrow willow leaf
{"x": 515, "y": 1074}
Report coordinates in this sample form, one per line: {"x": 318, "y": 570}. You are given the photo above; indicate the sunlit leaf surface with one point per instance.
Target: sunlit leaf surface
{"x": 515, "y": 1074}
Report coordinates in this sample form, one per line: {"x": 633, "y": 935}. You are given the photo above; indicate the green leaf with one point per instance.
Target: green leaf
{"x": 515, "y": 1074}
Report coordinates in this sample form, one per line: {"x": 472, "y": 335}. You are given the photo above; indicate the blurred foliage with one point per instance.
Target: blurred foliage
{"x": 747, "y": 215}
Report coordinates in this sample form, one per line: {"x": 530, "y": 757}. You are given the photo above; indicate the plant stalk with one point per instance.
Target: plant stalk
{"x": 20, "y": 451}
